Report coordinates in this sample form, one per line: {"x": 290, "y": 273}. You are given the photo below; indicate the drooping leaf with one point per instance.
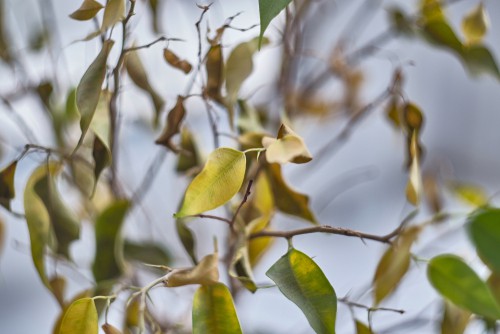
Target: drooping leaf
{"x": 475, "y": 24}
{"x": 173, "y": 125}
{"x": 206, "y": 272}
{"x": 478, "y": 60}
{"x": 413, "y": 118}
{"x": 240, "y": 267}
{"x": 113, "y": 13}
{"x": 458, "y": 283}
{"x": 110, "y": 329}
{"x": 301, "y": 280}
{"x": 108, "y": 262}
{"x": 394, "y": 111}
{"x": 455, "y": 319}
{"x": 80, "y": 318}
{"x": 471, "y": 194}
{"x": 220, "y": 179}
{"x": 286, "y": 199}
{"x": 58, "y": 287}
{"x": 215, "y": 73}
{"x": 138, "y": 75}
{"x": 414, "y": 185}
{"x": 83, "y": 294}
{"x": 187, "y": 239}
{"x": 439, "y": 33}
{"x": 7, "y": 190}
{"x": 268, "y": 10}
{"x": 288, "y": 147}
{"x": 257, "y": 247}
{"x": 431, "y": 10}
{"x": 87, "y": 10}
{"x": 361, "y": 328}
{"x": 132, "y": 314}
{"x": 214, "y": 312}
{"x": 89, "y": 88}
{"x": 174, "y": 61}
{"x": 484, "y": 231}
{"x": 188, "y": 156}
{"x": 146, "y": 252}
{"x": 394, "y": 264}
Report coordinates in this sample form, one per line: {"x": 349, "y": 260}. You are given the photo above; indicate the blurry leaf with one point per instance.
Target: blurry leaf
{"x": 80, "y": 318}
{"x": 268, "y": 10}
{"x": 394, "y": 112}
{"x": 475, "y": 24}
{"x": 289, "y": 147}
{"x": 458, "y": 283}
{"x": 478, "y": 60}
{"x": 156, "y": 15}
{"x": 101, "y": 126}
{"x": 439, "y": 33}
{"x": 138, "y": 75}
{"x": 132, "y": 314}
{"x": 102, "y": 158}
{"x": 110, "y": 329}
{"x": 44, "y": 91}
{"x": 412, "y": 117}
{"x": 400, "y": 21}
{"x": 89, "y": 88}
{"x": 187, "y": 238}
{"x": 83, "y": 173}
{"x": 431, "y": 10}
{"x": 63, "y": 221}
{"x": 108, "y": 262}
{"x": 257, "y": 247}
{"x": 58, "y": 287}
{"x": 248, "y": 121}
{"x": 113, "y": 13}
{"x": 263, "y": 195}
{"x": 188, "y": 156}
{"x": 414, "y": 186}
{"x": 38, "y": 39}
{"x": 173, "y": 125}
{"x": 455, "y": 319}
{"x": 240, "y": 267}
{"x": 214, "y": 312}
{"x": 220, "y": 179}
{"x": 394, "y": 264}
{"x": 7, "y": 190}
{"x": 301, "y": 280}
{"x": 146, "y": 252}
{"x": 484, "y": 231}
{"x": 239, "y": 66}
{"x": 361, "y": 328}
{"x": 174, "y": 61}
{"x": 2, "y": 235}
{"x": 5, "y": 55}
{"x": 286, "y": 199}
{"x": 87, "y": 10}
{"x": 432, "y": 193}
{"x": 494, "y": 285}
{"x": 469, "y": 193}
{"x": 215, "y": 74}
{"x": 206, "y": 272}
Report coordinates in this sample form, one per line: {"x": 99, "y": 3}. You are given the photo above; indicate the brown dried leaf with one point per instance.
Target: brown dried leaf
{"x": 176, "y": 62}
{"x": 173, "y": 126}
{"x": 215, "y": 73}
{"x": 87, "y": 10}
{"x": 206, "y": 272}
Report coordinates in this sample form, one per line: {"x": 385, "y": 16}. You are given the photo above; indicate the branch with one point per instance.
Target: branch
{"x": 245, "y": 198}
{"x": 158, "y": 40}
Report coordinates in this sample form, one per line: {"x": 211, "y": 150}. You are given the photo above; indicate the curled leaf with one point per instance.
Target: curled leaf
{"x": 173, "y": 126}
{"x": 174, "y": 61}
{"x": 187, "y": 239}
{"x": 7, "y": 191}
{"x": 110, "y": 329}
{"x": 188, "y": 157}
{"x": 87, "y": 10}
{"x": 484, "y": 231}
{"x": 206, "y": 272}
{"x": 414, "y": 185}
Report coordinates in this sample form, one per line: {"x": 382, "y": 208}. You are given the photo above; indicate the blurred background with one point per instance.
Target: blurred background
{"x": 358, "y": 186}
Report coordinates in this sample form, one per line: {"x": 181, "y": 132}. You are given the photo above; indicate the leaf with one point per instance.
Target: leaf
{"x": 431, "y": 10}
{"x": 484, "y": 231}
{"x": 494, "y": 285}
{"x": 87, "y": 10}
{"x": 146, "y": 252}
{"x": 132, "y": 314}
{"x": 110, "y": 329}
{"x": 188, "y": 156}
{"x": 433, "y": 195}
{"x": 301, "y": 280}
{"x": 286, "y": 199}
{"x": 89, "y": 88}
{"x": 173, "y": 125}
{"x": 288, "y": 147}
{"x": 206, "y": 272}
{"x": 469, "y": 193}
{"x": 156, "y": 15}
{"x": 414, "y": 185}
{"x": 258, "y": 246}
{"x": 268, "y": 10}
{"x": 475, "y": 24}
{"x": 215, "y": 73}
{"x": 113, "y": 13}
{"x": 187, "y": 238}
{"x": 214, "y": 312}
{"x": 174, "y": 61}
{"x": 7, "y": 190}
{"x": 361, "y": 328}
{"x": 413, "y": 118}
{"x": 394, "y": 264}
{"x": 80, "y": 318}
{"x": 2, "y": 235}
{"x": 220, "y": 179}
{"x": 139, "y": 77}
{"x": 478, "y": 60}
{"x": 394, "y": 112}
{"x": 101, "y": 125}
{"x": 439, "y": 33}
{"x": 58, "y": 287}
{"x": 108, "y": 262}
{"x": 240, "y": 267}
{"x": 458, "y": 283}
{"x": 455, "y": 320}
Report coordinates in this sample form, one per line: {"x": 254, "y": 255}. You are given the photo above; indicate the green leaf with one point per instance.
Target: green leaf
{"x": 89, "y": 88}
{"x": 484, "y": 231}
{"x": 173, "y": 125}
{"x": 80, "y": 318}
{"x": 218, "y": 182}
{"x": 439, "y": 33}
{"x": 7, "y": 190}
{"x": 87, "y": 10}
{"x": 478, "y": 60}
{"x": 301, "y": 280}
{"x": 361, "y": 328}
{"x": 108, "y": 262}
{"x": 113, "y": 13}
{"x": 458, "y": 283}
{"x": 146, "y": 252}
{"x": 286, "y": 199}
{"x": 187, "y": 238}
{"x": 206, "y": 272}
{"x": 268, "y": 10}
{"x": 214, "y": 312}
{"x": 475, "y": 24}
{"x": 455, "y": 319}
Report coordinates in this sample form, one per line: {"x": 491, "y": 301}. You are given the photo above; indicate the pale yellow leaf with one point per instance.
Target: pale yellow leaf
{"x": 113, "y": 13}
{"x": 475, "y": 24}
{"x": 87, "y": 10}
{"x": 206, "y": 272}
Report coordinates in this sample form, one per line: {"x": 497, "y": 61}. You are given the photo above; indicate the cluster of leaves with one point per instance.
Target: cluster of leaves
{"x": 247, "y": 179}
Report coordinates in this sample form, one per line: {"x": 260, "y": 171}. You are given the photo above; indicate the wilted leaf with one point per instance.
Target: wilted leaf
{"x": 7, "y": 190}
{"x": 215, "y": 73}
{"x": 89, "y": 88}
{"x": 288, "y": 147}
{"x": 108, "y": 262}
{"x": 268, "y": 10}
{"x": 206, "y": 272}
{"x": 58, "y": 287}
{"x": 146, "y": 252}
{"x": 187, "y": 239}
{"x": 455, "y": 319}
{"x": 174, "y": 61}
{"x": 188, "y": 156}
{"x": 80, "y": 318}
{"x": 412, "y": 117}
{"x": 475, "y": 24}
{"x": 110, "y": 329}
{"x": 113, "y": 13}
{"x": 173, "y": 125}
{"x": 220, "y": 179}
{"x": 394, "y": 264}
{"x": 469, "y": 193}
{"x": 87, "y": 10}
{"x": 458, "y": 283}
{"x": 484, "y": 231}
{"x": 361, "y": 328}
{"x": 214, "y": 312}
{"x": 138, "y": 75}
{"x": 301, "y": 280}
{"x": 286, "y": 199}
{"x": 240, "y": 267}
{"x": 414, "y": 185}
{"x": 394, "y": 111}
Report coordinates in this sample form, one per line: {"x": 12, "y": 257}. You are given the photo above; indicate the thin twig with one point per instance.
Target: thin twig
{"x": 158, "y": 40}
{"x": 149, "y": 177}
{"x": 245, "y": 198}
{"x": 349, "y": 303}
{"x": 222, "y": 219}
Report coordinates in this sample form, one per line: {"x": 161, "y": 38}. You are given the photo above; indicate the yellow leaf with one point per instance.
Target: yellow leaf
{"x": 58, "y": 287}
{"x": 455, "y": 319}
{"x": 257, "y": 247}
{"x": 288, "y": 147}
{"x": 431, "y": 10}
{"x": 113, "y": 13}
{"x": 414, "y": 185}
{"x": 173, "y": 125}
{"x": 206, "y": 272}
{"x": 469, "y": 193}
{"x": 87, "y": 10}
{"x": 80, "y": 318}
{"x": 220, "y": 179}
{"x": 475, "y": 24}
